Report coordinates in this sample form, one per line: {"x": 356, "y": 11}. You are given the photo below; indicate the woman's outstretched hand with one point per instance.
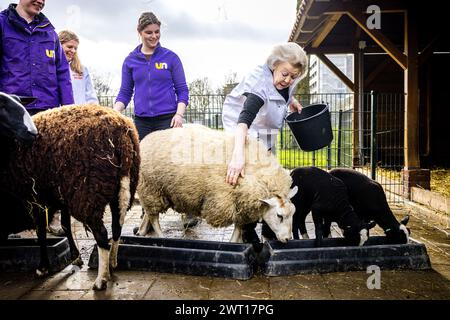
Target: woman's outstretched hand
{"x": 177, "y": 121}
{"x": 235, "y": 169}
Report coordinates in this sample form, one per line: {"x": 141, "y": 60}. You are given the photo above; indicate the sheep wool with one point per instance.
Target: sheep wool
{"x": 185, "y": 169}
{"x": 84, "y": 158}
{"x": 59, "y": 172}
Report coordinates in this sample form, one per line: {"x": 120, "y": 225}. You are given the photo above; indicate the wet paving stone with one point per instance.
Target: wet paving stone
{"x": 256, "y": 288}
{"x": 53, "y": 295}
{"x": 179, "y": 287}
{"x": 76, "y": 280}
{"x": 299, "y": 287}
{"x": 74, "y": 283}
{"x": 15, "y": 285}
{"x": 124, "y": 285}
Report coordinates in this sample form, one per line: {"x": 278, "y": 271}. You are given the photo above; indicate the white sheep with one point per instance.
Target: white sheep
{"x": 185, "y": 168}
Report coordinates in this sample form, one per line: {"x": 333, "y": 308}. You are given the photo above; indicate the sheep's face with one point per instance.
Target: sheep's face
{"x": 398, "y": 235}
{"x": 278, "y": 215}
{"x": 357, "y": 235}
{"x": 15, "y": 122}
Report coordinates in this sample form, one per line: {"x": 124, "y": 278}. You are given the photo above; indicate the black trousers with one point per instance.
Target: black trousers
{"x": 146, "y": 125}
{"x": 32, "y": 112}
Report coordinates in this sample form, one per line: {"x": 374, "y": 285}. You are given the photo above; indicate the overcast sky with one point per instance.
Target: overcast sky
{"x": 213, "y": 38}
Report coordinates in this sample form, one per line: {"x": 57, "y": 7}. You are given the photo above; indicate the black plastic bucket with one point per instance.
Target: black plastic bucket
{"x": 311, "y": 127}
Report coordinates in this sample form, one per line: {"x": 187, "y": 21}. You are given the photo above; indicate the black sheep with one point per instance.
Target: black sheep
{"x": 369, "y": 201}
{"x": 326, "y": 198}
{"x": 15, "y": 124}
{"x": 84, "y": 158}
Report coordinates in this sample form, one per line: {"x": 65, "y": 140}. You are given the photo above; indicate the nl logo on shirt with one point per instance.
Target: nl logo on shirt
{"x": 161, "y": 65}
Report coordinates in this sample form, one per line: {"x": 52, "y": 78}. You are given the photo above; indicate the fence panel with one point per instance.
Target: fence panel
{"x": 382, "y": 147}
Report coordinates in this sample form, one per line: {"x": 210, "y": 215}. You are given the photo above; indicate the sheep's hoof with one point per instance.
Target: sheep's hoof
{"x": 42, "y": 272}
{"x": 99, "y": 285}
{"x": 78, "y": 262}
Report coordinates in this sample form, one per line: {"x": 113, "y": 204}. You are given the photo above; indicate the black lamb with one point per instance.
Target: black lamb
{"x": 326, "y": 198}
{"x": 369, "y": 201}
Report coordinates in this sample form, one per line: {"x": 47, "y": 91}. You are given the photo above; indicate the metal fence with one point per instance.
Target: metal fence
{"x": 369, "y": 140}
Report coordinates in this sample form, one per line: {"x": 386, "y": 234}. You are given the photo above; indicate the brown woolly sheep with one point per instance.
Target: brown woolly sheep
{"x": 84, "y": 158}
{"x": 185, "y": 169}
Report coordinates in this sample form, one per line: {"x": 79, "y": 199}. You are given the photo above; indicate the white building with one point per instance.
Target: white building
{"x": 323, "y": 80}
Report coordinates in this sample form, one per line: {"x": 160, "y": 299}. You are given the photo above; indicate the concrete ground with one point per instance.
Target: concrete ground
{"x": 75, "y": 284}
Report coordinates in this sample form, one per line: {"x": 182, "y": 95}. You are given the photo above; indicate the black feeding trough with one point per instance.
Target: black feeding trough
{"x": 311, "y": 127}
{"x": 193, "y": 257}
{"x": 301, "y": 256}
{"x": 23, "y": 255}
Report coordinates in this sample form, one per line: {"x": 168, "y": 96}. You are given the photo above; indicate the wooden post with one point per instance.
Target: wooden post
{"x": 411, "y": 95}
{"x": 356, "y": 110}
{"x": 412, "y": 174}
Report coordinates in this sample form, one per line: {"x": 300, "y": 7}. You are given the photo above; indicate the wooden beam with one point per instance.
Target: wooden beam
{"x": 312, "y": 23}
{"x": 411, "y": 137}
{"x": 301, "y": 16}
{"x": 349, "y": 83}
{"x": 379, "y": 38}
{"x": 428, "y": 50}
{"x": 336, "y": 6}
{"x": 378, "y": 69}
{"x": 326, "y": 29}
{"x": 356, "y": 38}
{"x": 311, "y": 36}
{"x": 343, "y": 50}
{"x": 357, "y": 158}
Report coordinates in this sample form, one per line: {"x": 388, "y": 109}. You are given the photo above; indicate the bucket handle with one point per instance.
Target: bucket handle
{"x": 323, "y": 102}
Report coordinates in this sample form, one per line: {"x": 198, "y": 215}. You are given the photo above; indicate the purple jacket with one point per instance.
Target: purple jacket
{"x": 32, "y": 62}
{"x": 159, "y": 83}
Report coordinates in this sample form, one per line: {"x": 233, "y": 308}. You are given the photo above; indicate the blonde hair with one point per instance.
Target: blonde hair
{"x": 66, "y": 36}
{"x": 289, "y": 52}
{"x": 146, "y": 19}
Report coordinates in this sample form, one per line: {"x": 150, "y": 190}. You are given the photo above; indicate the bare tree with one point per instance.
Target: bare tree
{"x": 102, "y": 84}
{"x": 200, "y": 86}
{"x": 199, "y": 92}
{"x": 102, "y": 87}
{"x": 231, "y": 78}
{"x": 229, "y": 83}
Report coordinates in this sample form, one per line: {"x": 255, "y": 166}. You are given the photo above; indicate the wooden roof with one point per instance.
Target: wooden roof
{"x": 337, "y": 26}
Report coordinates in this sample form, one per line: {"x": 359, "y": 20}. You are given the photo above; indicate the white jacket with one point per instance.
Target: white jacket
{"x": 271, "y": 115}
{"x": 83, "y": 90}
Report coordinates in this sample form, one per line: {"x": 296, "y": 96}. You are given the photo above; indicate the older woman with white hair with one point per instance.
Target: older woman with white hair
{"x": 257, "y": 106}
